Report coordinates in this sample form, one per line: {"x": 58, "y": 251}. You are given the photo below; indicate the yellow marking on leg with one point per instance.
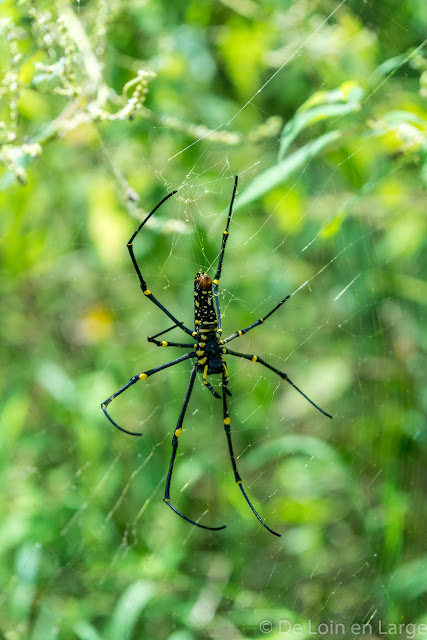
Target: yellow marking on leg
{"x": 130, "y": 244}
{"x": 240, "y": 333}
{"x": 147, "y": 292}
{"x": 197, "y": 322}
{"x": 254, "y": 358}
{"x": 178, "y": 432}
{"x": 205, "y": 373}
{"x": 142, "y": 376}
{"x": 103, "y": 405}
{"x": 215, "y": 281}
{"x": 199, "y": 353}
{"x": 164, "y": 343}
{"x": 261, "y": 319}
{"x": 194, "y": 334}
{"x": 239, "y": 481}
{"x": 202, "y": 361}
{"x": 226, "y": 372}
{"x": 227, "y": 420}
{"x": 224, "y": 350}
{"x": 225, "y": 233}
{"x": 166, "y": 500}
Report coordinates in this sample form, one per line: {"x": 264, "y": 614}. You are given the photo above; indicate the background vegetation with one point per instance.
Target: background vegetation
{"x": 320, "y": 107}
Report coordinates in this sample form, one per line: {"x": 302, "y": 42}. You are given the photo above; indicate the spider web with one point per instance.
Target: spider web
{"x": 344, "y": 556}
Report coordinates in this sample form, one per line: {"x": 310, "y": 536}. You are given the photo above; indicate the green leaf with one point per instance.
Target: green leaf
{"x": 86, "y": 631}
{"x": 391, "y": 64}
{"x": 409, "y": 581}
{"x": 305, "y": 119}
{"x": 129, "y": 608}
{"x": 320, "y": 106}
{"x": 280, "y": 172}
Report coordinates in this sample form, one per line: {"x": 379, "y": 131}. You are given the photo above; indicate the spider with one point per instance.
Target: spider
{"x": 208, "y": 350}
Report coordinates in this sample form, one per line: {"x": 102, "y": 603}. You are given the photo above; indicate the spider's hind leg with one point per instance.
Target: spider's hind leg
{"x": 212, "y": 390}
{"x": 233, "y": 459}
{"x": 176, "y": 434}
{"x": 227, "y": 390}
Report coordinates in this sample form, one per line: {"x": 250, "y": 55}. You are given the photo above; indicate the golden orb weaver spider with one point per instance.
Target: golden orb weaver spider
{"x": 208, "y": 349}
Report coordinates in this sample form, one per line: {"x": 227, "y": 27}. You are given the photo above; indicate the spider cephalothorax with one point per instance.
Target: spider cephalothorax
{"x": 208, "y": 351}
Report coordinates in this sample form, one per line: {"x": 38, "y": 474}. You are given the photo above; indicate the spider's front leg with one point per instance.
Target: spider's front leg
{"x": 176, "y": 434}
{"x": 142, "y": 282}
{"x": 221, "y": 257}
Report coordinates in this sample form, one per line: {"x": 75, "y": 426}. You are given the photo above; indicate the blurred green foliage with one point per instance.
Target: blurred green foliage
{"x": 320, "y": 106}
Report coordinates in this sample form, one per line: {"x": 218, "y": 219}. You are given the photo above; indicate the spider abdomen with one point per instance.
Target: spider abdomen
{"x": 210, "y": 354}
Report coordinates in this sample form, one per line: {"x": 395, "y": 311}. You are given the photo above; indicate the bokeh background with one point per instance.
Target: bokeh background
{"x": 320, "y": 107}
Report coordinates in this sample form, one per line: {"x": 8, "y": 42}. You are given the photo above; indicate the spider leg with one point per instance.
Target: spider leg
{"x": 164, "y": 343}
{"x": 221, "y": 257}
{"x": 232, "y": 457}
{"x": 177, "y": 433}
{"x": 212, "y": 390}
{"x": 140, "y": 376}
{"x": 171, "y": 344}
{"x": 142, "y": 282}
{"x": 283, "y": 375}
{"x": 239, "y": 333}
